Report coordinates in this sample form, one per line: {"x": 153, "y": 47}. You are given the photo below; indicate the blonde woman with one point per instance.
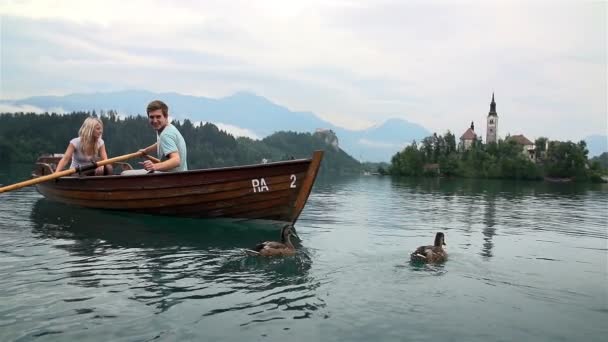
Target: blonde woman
{"x": 86, "y": 148}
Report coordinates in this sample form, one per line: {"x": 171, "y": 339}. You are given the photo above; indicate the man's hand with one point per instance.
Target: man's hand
{"x": 149, "y": 166}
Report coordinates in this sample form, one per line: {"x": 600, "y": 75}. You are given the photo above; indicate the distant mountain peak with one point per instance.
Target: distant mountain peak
{"x": 393, "y": 123}
{"x": 244, "y": 110}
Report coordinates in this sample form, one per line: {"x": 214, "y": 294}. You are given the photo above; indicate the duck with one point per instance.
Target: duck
{"x": 275, "y": 248}
{"x": 431, "y": 254}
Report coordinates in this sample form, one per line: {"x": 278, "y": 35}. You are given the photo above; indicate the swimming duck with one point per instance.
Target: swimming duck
{"x": 434, "y": 253}
{"x": 274, "y": 248}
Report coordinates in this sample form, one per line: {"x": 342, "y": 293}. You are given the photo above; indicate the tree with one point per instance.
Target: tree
{"x": 566, "y": 159}
{"x": 408, "y": 162}
{"x": 540, "y": 149}
{"x": 25, "y": 136}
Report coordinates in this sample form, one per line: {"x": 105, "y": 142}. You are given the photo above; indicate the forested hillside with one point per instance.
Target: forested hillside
{"x": 24, "y": 136}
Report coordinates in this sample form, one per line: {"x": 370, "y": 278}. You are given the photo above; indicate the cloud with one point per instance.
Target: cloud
{"x": 354, "y": 63}
{"x": 237, "y": 131}
{"x": 233, "y": 130}
{"x": 10, "y": 108}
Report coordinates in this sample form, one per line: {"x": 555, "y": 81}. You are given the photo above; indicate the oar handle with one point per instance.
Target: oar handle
{"x": 68, "y": 172}
{"x": 154, "y": 160}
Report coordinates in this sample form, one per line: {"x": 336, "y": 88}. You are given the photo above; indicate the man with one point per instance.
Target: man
{"x": 170, "y": 145}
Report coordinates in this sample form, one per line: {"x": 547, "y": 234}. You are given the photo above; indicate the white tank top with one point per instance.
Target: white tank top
{"x": 79, "y": 158}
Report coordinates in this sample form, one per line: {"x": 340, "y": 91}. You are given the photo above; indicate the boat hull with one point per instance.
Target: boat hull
{"x": 273, "y": 191}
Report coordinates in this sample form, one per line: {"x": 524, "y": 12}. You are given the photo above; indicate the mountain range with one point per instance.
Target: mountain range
{"x": 241, "y": 112}
{"x": 255, "y": 116}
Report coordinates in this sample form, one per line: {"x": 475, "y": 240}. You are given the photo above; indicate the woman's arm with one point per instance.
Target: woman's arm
{"x": 102, "y": 153}
{"x": 67, "y": 156}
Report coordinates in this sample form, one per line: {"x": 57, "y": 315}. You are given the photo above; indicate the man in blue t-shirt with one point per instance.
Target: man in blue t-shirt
{"x": 170, "y": 145}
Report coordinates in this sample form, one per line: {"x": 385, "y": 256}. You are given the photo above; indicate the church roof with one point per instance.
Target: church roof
{"x": 520, "y": 139}
{"x": 492, "y": 107}
{"x": 468, "y": 135}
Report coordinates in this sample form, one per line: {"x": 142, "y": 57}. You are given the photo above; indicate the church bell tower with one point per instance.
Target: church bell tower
{"x": 492, "y": 129}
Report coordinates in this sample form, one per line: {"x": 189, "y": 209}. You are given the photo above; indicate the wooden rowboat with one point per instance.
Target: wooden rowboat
{"x": 274, "y": 191}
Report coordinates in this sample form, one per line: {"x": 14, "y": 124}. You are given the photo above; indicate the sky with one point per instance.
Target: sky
{"x": 353, "y": 63}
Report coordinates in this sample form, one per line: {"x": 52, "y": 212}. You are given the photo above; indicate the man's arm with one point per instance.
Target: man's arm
{"x": 149, "y": 149}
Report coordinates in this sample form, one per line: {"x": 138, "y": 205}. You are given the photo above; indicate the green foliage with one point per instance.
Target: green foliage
{"x": 379, "y": 168}
{"x": 448, "y": 165}
{"x": 504, "y": 159}
{"x": 540, "y": 148}
{"x": 600, "y": 163}
{"x": 436, "y": 147}
{"x": 287, "y": 145}
{"x": 23, "y": 137}
{"x": 567, "y": 159}
{"x": 408, "y": 162}
{"x": 598, "y": 169}
{"x": 382, "y": 170}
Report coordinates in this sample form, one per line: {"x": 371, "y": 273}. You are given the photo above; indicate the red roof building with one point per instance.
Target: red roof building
{"x": 521, "y": 139}
{"x": 466, "y": 140}
{"x": 528, "y": 147}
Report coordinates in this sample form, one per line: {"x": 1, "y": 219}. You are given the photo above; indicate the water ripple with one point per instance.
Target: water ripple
{"x": 527, "y": 261}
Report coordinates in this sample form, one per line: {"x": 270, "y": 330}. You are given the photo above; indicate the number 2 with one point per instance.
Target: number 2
{"x": 293, "y": 181}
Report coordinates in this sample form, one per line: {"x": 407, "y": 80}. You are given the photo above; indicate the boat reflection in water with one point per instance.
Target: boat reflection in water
{"x": 167, "y": 260}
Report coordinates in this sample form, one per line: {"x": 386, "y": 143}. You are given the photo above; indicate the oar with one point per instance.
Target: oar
{"x": 68, "y": 172}
{"x": 154, "y": 160}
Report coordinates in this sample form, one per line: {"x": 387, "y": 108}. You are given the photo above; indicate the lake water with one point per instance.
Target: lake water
{"x": 527, "y": 261}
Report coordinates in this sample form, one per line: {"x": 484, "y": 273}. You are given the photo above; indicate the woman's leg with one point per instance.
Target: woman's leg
{"x": 108, "y": 170}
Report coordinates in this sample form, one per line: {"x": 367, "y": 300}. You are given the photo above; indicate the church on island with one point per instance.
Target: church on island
{"x": 469, "y": 136}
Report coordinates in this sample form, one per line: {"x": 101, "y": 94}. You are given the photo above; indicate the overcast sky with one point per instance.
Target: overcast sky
{"x": 353, "y": 63}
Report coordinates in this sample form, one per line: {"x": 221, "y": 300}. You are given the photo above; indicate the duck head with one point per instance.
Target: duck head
{"x": 288, "y": 231}
{"x": 439, "y": 240}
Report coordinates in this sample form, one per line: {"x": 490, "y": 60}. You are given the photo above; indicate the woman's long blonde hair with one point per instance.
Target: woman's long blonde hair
{"x": 88, "y": 144}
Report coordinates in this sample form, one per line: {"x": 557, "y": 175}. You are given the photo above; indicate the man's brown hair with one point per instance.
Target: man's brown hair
{"x": 156, "y": 105}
